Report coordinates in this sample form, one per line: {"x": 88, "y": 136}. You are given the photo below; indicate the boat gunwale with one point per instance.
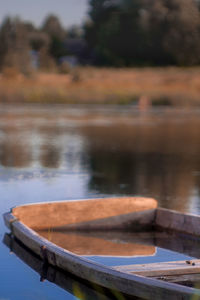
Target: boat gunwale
{"x": 76, "y": 200}
{"x": 108, "y": 277}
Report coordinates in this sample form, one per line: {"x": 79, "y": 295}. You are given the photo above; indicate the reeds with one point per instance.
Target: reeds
{"x": 162, "y": 86}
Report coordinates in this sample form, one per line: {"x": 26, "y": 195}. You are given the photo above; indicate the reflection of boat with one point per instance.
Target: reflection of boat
{"x": 114, "y": 244}
{"x": 66, "y": 281}
{"x": 36, "y": 225}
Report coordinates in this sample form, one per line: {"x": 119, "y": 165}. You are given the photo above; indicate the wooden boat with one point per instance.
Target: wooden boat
{"x": 70, "y": 283}
{"x": 43, "y": 228}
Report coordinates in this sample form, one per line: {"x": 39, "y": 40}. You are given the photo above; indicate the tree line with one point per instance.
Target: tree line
{"x": 144, "y": 32}
{"x": 24, "y": 47}
{"x": 117, "y": 33}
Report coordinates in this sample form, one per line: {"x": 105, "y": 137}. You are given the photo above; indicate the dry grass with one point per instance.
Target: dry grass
{"x": 171, "y": 86}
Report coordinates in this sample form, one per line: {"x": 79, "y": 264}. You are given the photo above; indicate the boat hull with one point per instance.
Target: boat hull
{"x": 134, "y": 285}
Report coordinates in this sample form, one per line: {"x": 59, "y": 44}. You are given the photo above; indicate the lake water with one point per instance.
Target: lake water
{"x": 59, "y": 152}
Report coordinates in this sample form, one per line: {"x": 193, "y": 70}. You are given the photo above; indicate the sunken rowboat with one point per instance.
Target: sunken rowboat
{"x": 70, "y": 283}
{"x": 63, "y": 233}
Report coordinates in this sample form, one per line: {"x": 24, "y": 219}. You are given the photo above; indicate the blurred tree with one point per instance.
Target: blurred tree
{"x": 53, "y": 27}
{"x": 182, "y": 40}
{"x": 40, "y": 43}
{"x": 129, "y": 32}
{"x": 57, "y": 35}
{"x": 75, "y": 31}
{"x": 118, "y": 33}
{"x": 37, "y": 38}
{"x": 173, "y": 30}
{"x": 97, "y": 31}
{"x": 14, "y": 46}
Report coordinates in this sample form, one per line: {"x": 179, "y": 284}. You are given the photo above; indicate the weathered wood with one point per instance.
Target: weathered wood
{"x": 192, "y": 280}
{"x": 136, "y": 220}
{"x": 62, "y": 279}
{"x": 173, "y": 220}
{"x": 76, "y": 213}
{"x": 178, "y": 242}
{"x": 9, "y": 219}
{"x": 62, "y": 214}
{"x": 146, "y": 288}
{"x": 162, "y": 268}
{"x": 131, "y": 284}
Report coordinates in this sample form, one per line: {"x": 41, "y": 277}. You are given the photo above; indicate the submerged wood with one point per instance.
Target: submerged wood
{"x": 24, "y": 220}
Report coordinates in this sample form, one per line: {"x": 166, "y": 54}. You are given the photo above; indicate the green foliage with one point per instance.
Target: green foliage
{"x": 119, "y": 33}
{"x": 14, "y": 46}
{"x": 39, "y": 40}
{"x": 138, "y": 32}
{"x": 57, "y": 34}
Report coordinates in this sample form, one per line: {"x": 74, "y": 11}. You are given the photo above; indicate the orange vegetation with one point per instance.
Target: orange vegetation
{"x": 169, "y": 86}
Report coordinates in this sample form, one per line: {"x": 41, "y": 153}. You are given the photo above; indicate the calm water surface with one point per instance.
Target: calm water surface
{"x": 60, "y": 152}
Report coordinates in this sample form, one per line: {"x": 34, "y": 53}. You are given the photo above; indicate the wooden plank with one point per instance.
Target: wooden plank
{"x": 192, "y": 280}
{"x": 162, "y": 269}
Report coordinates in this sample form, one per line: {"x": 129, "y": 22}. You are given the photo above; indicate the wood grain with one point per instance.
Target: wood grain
{"x": 173, "y": 220}
{"x": 162, "y": 268}
{"x": 62, "y": 214}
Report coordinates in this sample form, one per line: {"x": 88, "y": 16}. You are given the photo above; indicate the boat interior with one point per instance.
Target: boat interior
{"x": 131, "y": 235}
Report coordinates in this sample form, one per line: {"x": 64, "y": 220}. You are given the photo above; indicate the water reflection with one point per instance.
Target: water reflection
{"x": 102, "y": 243}
{"x": 60, "y": 152}
{"x": 160, "y": 159}
{"x": 156, "y": 154}
{"x": 14, "y": 150}
{"x": 88, "y": 290}
{"x": 79, "y": 288}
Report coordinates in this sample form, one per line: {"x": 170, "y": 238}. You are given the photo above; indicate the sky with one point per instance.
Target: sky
{"x": 70, "y": 12}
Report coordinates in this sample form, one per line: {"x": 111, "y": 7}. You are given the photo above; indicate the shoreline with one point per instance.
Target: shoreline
{"x": 146, "y": 87}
